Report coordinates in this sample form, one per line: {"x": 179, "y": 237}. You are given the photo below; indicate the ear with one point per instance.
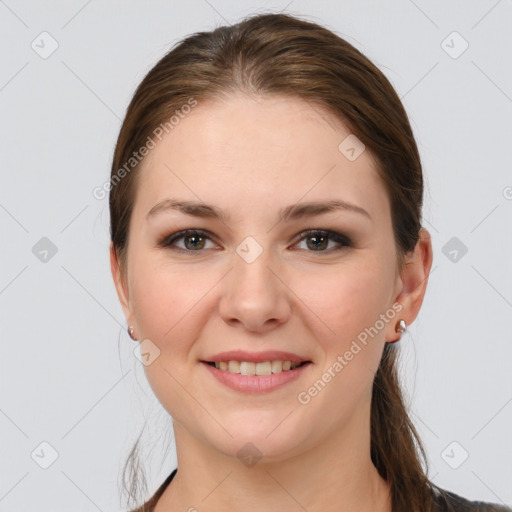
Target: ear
{"x": 121, "y": 285}
{"x": 414, "y": 278}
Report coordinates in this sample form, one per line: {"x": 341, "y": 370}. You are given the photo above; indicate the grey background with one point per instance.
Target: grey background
{"x": 68, "y": 374}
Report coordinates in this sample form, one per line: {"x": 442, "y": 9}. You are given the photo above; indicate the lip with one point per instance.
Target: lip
{"x": 255, "y": 384}
{"x": 256, "y": 357}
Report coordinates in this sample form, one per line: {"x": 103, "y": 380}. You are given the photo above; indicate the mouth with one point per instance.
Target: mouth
{"x": 263, "y": 368}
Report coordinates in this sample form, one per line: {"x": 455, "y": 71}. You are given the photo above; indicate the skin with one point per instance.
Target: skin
{"x": 250, "y": 157}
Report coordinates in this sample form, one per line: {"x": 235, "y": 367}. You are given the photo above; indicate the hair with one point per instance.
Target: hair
{"x": 279, "y": 54}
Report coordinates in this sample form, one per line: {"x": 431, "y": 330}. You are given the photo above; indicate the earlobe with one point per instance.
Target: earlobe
{"x": 414, "y": 277}
{"x": 120, "y": 284}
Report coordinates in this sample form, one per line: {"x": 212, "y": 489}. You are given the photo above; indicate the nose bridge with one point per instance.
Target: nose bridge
{"x": 253, "y": 293}
{"x": 252, "y": 274}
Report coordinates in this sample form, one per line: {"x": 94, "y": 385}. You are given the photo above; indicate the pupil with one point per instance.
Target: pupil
{"x": 194, "y": 246}
{"x": 321, "y": 245}
{"x": 319, "y": 242}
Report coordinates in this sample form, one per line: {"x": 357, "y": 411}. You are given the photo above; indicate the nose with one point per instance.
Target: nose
{"x": 255, "y": 297}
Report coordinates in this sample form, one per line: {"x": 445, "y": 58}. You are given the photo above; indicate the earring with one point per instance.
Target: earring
{"x": 400, "y": 327}
{"x": 130, "y": 332}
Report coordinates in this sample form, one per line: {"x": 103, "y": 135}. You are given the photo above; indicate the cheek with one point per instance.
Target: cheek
{"x": 163, "y": 296}
{"x": 172, "y": 303}
{"x": 350, "y": 302}
{"x": 167, "y": 302}
{"x": 349, "y": 299}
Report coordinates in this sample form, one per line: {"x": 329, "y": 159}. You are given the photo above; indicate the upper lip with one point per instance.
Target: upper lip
{"x": 256, "y": 357}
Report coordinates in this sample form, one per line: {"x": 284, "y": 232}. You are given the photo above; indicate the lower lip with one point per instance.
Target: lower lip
{"x": 256, "y": 383}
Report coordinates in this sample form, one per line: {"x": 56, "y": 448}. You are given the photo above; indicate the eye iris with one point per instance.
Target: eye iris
{"x": 321, "y": 245}
{"x": 195, "y": 237}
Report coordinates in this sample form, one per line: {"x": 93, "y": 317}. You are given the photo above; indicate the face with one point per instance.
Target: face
{"x": 255, "y": 280}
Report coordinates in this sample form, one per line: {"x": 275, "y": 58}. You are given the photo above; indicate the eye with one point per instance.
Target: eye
{"x": 195, "y": 240}
{"x": 321, "y": 238}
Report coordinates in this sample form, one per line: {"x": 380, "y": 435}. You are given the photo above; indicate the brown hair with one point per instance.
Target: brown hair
{"x": 283, "y": 55}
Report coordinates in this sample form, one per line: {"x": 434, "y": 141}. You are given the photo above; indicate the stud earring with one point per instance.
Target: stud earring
{"x": 130, "y": 332}
{"x": 400, "y": 327}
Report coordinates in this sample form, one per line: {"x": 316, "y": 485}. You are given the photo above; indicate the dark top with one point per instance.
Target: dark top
{"x": 451, "y": 502}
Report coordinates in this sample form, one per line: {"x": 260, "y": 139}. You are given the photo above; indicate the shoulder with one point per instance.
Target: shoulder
{"x": 149, "y": 506}
{"x": 447, "y": 501}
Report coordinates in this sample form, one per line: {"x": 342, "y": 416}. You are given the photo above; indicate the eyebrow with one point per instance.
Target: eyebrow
{"x": 291, "y": 212}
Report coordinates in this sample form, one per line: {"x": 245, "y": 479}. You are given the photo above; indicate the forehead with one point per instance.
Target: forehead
{"x": 258, "y": 153}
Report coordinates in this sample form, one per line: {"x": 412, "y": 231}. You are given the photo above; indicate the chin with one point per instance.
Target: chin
{"x": 260, "y": 442}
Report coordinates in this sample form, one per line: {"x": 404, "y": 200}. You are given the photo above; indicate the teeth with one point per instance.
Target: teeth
{"x": 247, "y": 368}
{"x": 234, "y": 367}
{"x": 277, "y": 366}
{"x": 264, "y": 368}
{"x": 250, "y": 368}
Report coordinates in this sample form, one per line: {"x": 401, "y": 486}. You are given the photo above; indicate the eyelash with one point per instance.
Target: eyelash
{"x": 343, "y": 240}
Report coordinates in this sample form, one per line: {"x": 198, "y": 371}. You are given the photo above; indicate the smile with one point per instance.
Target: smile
{"x": 251, "y": 368}
{"x": 255, "y": 378}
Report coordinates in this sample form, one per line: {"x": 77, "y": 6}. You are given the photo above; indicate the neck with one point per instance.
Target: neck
{"x": 337, "y": 475}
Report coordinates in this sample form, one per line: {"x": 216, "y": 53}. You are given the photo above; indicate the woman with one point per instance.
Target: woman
{"x": 268, "y": 252}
